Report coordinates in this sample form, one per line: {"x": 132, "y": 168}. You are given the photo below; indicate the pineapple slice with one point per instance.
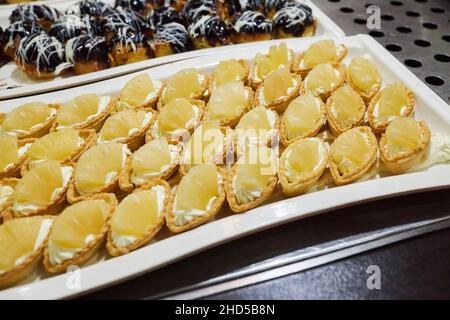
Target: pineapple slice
{"x": 198, "y": 188}
{"x": 19, "y": 239}
{"x": 183, "y": 84}
{"x": 123, "y": 124}
{"x": 79, "y": 110}
{"x": 152, "y": 158}
{"x": 9, "y": 151}
{"x": 277, "y": 84}
{"x": 255, "y": 119}
{"x": 227, "y": 101}
{"x": 79, "y": 224}
{"x": 347, "y": 107}
{"x": 322, "y": 51}
{"x": 322, "y": 79}
{"x": 393, "y": 102}
{"x": 364, "y": 75}
{"x": 350, "y": 150}
{"x": 57, "y": 145}
{"x": 25, "y": 117}
{"x": 305, "y": 155}
{"x": 176, "y": 115}
{"x": 137, "y": 212}
{"x": 98, "y": 166}
{"x": 228, "y": 71}
{"x": 38, "y": 186}
{"x": 137, "y": 90}
{"x": 302, "y": 116}
{"x": 403, "y": 136}
{"x": 279, "y": 55}
{"x": 263, "y": 65}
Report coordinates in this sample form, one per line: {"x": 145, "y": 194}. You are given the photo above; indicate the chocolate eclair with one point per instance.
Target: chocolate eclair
{"x": 128, "y": 46}
{"x": 252, "y": 26}
{"x": 164, "y": 15}
{"x": 94, "y": 8}
{"x": 16, "y": 32}
{"x": 140, "y": 6}
{"x": 120, "y": 19}
{"x": 210, "y": 31}
{"x": 293, "y": 20}
{"x": 87, "y": 53}
{"x": 194, "y": 9}
{"x": 42, "y": 14}
{"x": 171, "y": 38}
{"x": 229, "y": 10}
{"x": 67, "y": 27}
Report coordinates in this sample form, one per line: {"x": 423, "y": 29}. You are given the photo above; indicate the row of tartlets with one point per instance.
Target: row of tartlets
{"x": 76, "y": 159}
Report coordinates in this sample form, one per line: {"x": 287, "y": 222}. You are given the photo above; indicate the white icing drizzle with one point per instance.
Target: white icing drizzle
{"x": 175, "y": 34}
{"x": 250, "y": 18}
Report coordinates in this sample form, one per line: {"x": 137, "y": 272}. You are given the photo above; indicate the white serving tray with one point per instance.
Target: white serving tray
{"x": 167, "y": 249}
{"x": 10, "y": 74}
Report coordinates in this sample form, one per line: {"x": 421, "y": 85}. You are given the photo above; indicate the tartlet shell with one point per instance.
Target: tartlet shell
{"x": 151, "y": 104}
{"x": 15, "y": 170}
{"x": 325, "y": 95}
{"x": 245, "y": 79}
{"x": 303, "y": 72}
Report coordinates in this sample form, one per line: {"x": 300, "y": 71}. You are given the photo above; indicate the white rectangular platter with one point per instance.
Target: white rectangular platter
{"x": 167, "y": 249}
{"x": 10, "y": 75}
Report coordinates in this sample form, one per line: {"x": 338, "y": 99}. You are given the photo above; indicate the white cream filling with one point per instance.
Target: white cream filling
{"x": 144, "y": 178}
{"x": 20, "y": 152}
{"x": 126, "y": 240}
{"x": 37, "y": 126}
{"x": 5, "y": 194}
{"x": 102, "y": 105}
{"x": 262, "y": 100}
{"x": 182, "y": 217}
{"x": 59, "y": 254}
{"x": 148, "y": 116}
{"x": 157, "y": 132}
{"x": 438, "y": 152}
{"x": 245, "y": 195}
{"x": 150, "y": 96}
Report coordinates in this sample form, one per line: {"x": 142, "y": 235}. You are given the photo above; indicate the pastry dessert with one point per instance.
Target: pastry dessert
{"x": 30, "y": 120}
{"x": 7, "y": 186}
{"x": 208, "y": 144}
{"x": 228, "y": 10}
{"x": 197, "y": 199}
{"x": 323, "y": 80}
{"x": 67, "y": 27}
{"x": 140, "y": 92}
{"x": 155, "y": 160}
{"x": 13, "y": 155}
{"x": 391, "y": 102}
{"x": 252, "y": 26}
{"x": 78, "y": 232}
{"x": 279, "y": 88}
{"x": 94, "y": 8}
{"x": 138, "y": 218}
{"x": 177, "y": 120}
{"x": 42, "y": 14}
{"x": 278, "y": 57}
{"x": 210, "y": 31}
{"x": 171, "y": 38}
{"x": 229, "y": 71}
{"x": 228, "y": 103}
{"x": 323, "y": 51}
{"x": 128, "y": 46}
{"x": 271, "y": 7}
{"x": 352, "y": 154}
{"x": 122, "y": 18}
{"x": 16, "y": 32}
{"x": 301, "y": 165}
{"x": 194, "y": 9}
{"x": 97, "y": 171}
{"x": 41, "y": 56}
{"x": 294, "y": 20}
{"x": 176, "y": 4}
{"x": 42, "y": 190}
{"x": 140, "y": 6}
{"x": 88, "y": 111}
{"x": 64, "y": 146}
{"x": 304, "y": 117}
{"x": 128, "y": 127}
{"x": 257, "y": 127}
{"x": 345, "y": 110}
{"x": 87, "y": 53}
{"x": 252, "y": 179}
{"x": 22, "y": 243}
{"x": 188, "y": 84}
{"x": 164, "y": 15}
{"x": 364, "y": 77}
{"x": 404, "y": 143}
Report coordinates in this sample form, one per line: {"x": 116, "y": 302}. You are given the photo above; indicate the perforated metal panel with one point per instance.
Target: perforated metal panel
{"x": 417, "y": 32}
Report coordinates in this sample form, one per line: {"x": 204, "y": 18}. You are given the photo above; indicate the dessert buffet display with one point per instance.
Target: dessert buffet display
{"x": 92, "y": 35}
{"x": 176, "y": 152}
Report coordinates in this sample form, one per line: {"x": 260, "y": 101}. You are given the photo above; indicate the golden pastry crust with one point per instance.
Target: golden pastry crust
{"x": 126, "y": 184}
{"x": 340, "y": 179}
{"x": 176, "y": 138}
{"x": 150, "y": 104}
{"x": 293, "y": 188}
{"x": 244, "y": 38}
{"x": 89, "y": 139}
{"x": 82, "y": 67}
{"x": 245, "y": 79}
{"x": 308, "y": 32}
{"x": 51, "y": 208}
{"x": 151, "y": 231}
{"x": 232, "y": 122}
{"x": 325, "y": 95}
{"x": 366, "y": 96}
{"x": 256, "y": 81}
{"x": 334, "y": 123}
{"x": 42, "y": 130}
{"x": 199, "y": 220}
{"x": 96, "y": 123}
{"x": 31, "y": 70}
{"x": 14, "y": 170}
{"x": 380, "y": 126}
{"x": 285, "y": 141}
{"x": 235, "y": 206}
{"x": 121, "y": 55}
{"x": 23, "y": 270}
{"x": 12, "y": 183}
{"x": 137, "y": 139}
{"x": 404, "y": 162}
{"x": 303, "y": 72}
{"x": 282, "y": 103}
{"x": 91, "y": 249}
